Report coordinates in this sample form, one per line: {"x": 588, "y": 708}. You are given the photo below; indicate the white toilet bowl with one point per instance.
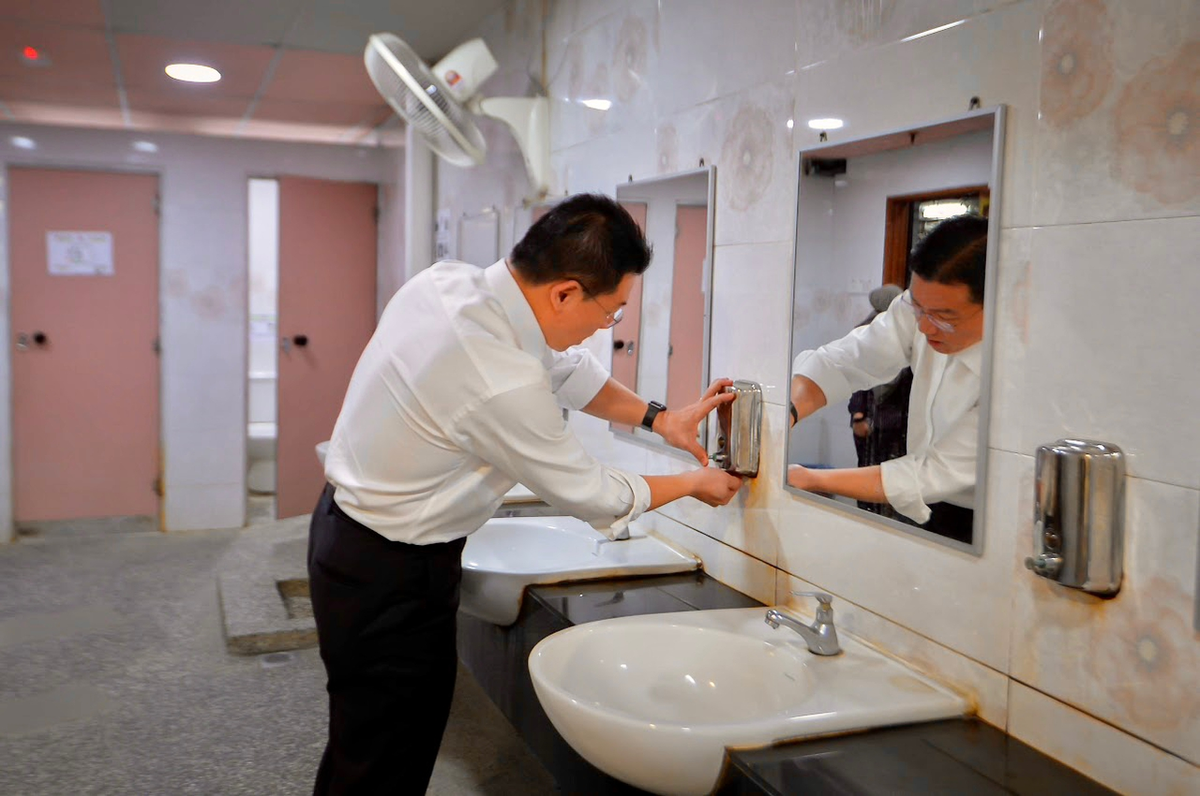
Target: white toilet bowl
{"x": 260, "y": 452}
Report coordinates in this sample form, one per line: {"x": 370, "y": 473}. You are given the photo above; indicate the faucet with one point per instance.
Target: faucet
{"x": 821, "y": 635}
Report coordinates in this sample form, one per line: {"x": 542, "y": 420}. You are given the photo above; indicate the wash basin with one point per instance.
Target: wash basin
{"x": 654, "y": 700}
{"x": 508, "y": 554}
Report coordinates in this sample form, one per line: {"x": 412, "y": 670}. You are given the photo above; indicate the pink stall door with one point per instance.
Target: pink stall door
{"x": 626, "y": 334}
{"x": 685, "y": 363}
{"x": 84, "y": 271}
{"x": 327, "y": 277}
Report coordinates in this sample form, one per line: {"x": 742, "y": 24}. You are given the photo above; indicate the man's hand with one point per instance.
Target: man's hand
{"x": 679, "y": 427}
{"x": 715, "y": 487}
{"x": 800, "y": 477}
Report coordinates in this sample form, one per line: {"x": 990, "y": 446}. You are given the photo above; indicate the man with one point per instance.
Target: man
{"x": 457, "y": 397}
{"x": 935, "y": 328}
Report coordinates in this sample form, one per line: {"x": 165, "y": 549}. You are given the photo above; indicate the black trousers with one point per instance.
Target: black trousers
{"x": 385, "y": 614}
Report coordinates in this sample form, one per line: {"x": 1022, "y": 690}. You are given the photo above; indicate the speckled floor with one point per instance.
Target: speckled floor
{"x": 114, "y": 679}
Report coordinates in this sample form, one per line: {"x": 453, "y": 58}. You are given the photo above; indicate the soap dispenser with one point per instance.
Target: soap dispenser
{"x": 740, "y": 438}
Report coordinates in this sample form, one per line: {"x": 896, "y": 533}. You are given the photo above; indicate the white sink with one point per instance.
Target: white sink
{"x": 655, "y": 700}
{"x": 508, "y": 554}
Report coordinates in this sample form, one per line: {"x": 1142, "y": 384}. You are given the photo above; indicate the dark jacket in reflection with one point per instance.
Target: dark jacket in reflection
{"x": 886, "y": 410}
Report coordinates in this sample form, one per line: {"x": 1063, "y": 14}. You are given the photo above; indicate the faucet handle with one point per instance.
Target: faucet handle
{"x": 826, "y": 600}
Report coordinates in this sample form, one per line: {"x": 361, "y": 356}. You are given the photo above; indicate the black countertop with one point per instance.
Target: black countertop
{"x": 947, "y": 757}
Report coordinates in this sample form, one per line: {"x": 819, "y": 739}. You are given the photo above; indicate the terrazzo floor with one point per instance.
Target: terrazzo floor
{"x": 114, "y": 679}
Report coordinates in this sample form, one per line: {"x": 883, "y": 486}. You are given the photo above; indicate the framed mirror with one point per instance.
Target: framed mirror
{"x": 660, "y": 347}
{"x": 892, "y": 315}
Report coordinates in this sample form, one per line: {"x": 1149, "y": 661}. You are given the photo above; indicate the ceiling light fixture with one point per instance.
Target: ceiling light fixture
{"x": 193, "y": 73}
{"x": 825, "y": 124}
{"x": 145, "y": 146}
{"x": 932, "y": 31}
{"x": 597, "y": 104}
{"x": 21, "y": 142}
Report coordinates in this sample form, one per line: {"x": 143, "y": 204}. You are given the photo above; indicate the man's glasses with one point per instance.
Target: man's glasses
{"x": 918, "y": 310}
{"x": 611, "y": 319}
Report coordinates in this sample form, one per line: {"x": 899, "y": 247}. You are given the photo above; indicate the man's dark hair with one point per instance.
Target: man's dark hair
{"x": 589, "y": 238}
{"x": 954, "y": 253}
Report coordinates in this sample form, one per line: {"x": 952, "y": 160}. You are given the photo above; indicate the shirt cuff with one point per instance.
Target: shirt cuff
{"x": 584, "y": 383}
{"x": 826, "y": 375}
{"x": 637, "y": 492}
{"x": 903, "y": 490}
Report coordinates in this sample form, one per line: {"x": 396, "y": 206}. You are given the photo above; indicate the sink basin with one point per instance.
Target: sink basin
{"x": 508, "y": 554}
{"x": 655, "y": 700}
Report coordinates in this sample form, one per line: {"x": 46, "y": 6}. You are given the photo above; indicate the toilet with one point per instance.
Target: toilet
{"x": 261, "y": 434}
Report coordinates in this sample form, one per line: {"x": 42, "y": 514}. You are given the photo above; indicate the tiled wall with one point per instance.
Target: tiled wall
{"x": 1095, "y": 332}
{"x": 203, "y": 290}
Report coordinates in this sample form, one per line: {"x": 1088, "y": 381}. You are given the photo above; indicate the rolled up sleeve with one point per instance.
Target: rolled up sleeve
{"x": 870, "y": 355}
{"x": 522, "y": 433}
{"x": 945, "y": 469}
{"x": 576, "y": 377}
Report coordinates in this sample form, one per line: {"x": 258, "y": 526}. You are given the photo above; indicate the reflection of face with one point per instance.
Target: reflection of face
{"x": 592, "y": 313}
{"x": 951, "y": 304}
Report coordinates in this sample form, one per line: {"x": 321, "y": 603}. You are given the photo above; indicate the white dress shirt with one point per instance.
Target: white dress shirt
{"x": 455, "y": 399}
{"x": 943, "y": 407}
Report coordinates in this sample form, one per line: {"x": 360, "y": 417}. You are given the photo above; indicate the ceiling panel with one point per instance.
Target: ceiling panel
{"x": 252, "y": 22}
{"x": 322, "y": 77}
{"x": 343, "y": 114}
{"x": 242, "y": 68}
{"x": 87, "y": 13}
{"x": 58, "y": 93}
{"x": 183, "y": 101}
{"x": 74, "y": 53}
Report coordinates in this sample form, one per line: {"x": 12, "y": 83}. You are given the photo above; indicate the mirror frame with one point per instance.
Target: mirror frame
{"x": 653, "y": 440}
{"x": 893, "y": 140}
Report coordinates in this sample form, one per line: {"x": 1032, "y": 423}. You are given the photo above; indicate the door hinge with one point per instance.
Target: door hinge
{"x": 157, "y": 204}
{"x": 375, "y": 213}
{"x": 156, "y": 345}
{"x": 157, "y": 486}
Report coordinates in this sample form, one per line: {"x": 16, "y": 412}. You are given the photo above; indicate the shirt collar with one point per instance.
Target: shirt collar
{"x": 520, "y": 314}
{"x": 972, "y": 358}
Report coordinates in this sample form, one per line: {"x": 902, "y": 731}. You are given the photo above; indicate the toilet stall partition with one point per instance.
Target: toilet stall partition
{"x": 327, "y": 312}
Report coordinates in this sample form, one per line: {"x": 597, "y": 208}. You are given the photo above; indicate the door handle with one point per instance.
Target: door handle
{"x": 299, "y": 340}
{"x": 623, "y": 345}
{"x": 40, "y": 338}
{"x": 25, "y": 340}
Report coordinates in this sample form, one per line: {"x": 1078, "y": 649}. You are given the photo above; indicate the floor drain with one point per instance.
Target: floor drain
{"x": 274, "y": 659}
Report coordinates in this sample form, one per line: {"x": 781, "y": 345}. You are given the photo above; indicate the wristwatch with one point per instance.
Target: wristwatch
{"x": 652, "y": 412}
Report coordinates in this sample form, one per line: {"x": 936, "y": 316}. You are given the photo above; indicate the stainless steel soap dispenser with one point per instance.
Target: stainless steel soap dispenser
{"x": 1079, "y": 514}
{"x": 741, "y": 430}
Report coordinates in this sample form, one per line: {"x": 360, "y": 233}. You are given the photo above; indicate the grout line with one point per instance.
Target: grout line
{"x": 122, "y": 97}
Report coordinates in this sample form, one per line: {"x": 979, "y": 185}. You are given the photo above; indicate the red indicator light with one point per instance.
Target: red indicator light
{"x": 31, "y": 53}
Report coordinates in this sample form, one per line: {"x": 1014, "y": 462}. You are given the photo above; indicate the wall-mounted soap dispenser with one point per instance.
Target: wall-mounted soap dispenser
{"x": 1079, "y": 515}
{"x": 741, "y": 430}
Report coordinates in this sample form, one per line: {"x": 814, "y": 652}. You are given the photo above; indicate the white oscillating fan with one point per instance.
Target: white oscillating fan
{"x": 439, "y": 103}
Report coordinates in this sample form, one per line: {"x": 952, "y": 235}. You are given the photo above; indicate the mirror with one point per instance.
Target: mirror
{"x": 889, "y": 326}
{"x": 660, "y": 347}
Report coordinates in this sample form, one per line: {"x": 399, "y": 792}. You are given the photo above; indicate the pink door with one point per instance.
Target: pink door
{"x": 84, "y": 269}
{"x": 327, "y": 248}
{"x": 685, "y": 362}
{"x": 626, "y": 333}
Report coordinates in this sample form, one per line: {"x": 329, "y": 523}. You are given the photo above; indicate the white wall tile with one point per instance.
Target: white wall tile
{"x": 1133, "y": 660}
{"x": 1010, "y": 342}
{"x": 1098, "y": 750}
{"x": 208, "y": 457}
{"x": 985, "y": 688}
{"x": 1111, "y": 312}
{"x": 727, "y": 564}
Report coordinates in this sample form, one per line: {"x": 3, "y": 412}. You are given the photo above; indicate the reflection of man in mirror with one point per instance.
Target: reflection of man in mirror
{"x": 879, "y": 416}
{"x": 935, "y": 328}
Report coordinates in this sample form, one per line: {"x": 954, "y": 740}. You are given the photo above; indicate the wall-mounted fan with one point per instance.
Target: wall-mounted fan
{"x": 440, "y": 102}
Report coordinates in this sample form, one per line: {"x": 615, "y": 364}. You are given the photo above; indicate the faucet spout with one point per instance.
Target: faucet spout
{"x": 821, "y": 635}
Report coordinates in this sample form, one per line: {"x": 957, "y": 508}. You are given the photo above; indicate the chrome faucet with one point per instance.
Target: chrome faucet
{"x": 821, "y": 635}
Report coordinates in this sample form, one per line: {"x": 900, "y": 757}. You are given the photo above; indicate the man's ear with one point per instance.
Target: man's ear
{"x": 564, "y": 292}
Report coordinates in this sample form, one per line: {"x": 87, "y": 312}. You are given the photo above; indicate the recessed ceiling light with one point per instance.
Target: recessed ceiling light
{"x": 21, "y": 142}
{"x": 825, "y": 124}
{"x": 193, "y": 73}
{"x": 597, "y": 104}
{"x": 145, "y": 146}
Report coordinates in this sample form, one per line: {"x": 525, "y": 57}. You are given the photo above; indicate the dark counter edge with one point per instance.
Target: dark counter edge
{"x": 920, "y": 758}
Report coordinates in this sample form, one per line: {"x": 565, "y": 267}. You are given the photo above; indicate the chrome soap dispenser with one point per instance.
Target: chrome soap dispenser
{"x": 1079, "y": 513}
{"x": 741, "y": 430}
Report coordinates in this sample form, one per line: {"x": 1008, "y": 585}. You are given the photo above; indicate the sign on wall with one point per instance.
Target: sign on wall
{"x": 79, "y": 253}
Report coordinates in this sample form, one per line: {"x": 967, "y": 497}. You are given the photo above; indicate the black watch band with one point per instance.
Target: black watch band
{"x": 652, "y": 412}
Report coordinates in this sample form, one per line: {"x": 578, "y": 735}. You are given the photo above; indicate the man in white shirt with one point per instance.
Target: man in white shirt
{"x": 935, "y": 327}
{"x": 457, "y": 397}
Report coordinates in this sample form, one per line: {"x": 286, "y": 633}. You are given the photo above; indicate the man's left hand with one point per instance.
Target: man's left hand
{"x": 680, "y": 427}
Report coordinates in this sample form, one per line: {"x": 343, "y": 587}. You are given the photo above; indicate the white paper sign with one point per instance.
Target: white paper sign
{"x": 80, "y": 253}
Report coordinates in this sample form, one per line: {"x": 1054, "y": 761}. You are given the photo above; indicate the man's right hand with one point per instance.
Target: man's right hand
{"x": 714, "y": 486}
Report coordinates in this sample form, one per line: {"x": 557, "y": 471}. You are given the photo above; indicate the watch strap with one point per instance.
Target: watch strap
{"x": 652, "y": 411}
